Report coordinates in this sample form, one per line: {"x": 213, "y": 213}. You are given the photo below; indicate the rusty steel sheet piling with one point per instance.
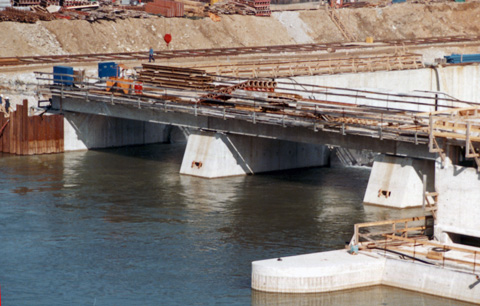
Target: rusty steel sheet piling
{"x": 31, "y": 135}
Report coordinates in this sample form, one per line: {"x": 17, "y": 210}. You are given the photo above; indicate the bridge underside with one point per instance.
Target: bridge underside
{"x": 241, "y": 127}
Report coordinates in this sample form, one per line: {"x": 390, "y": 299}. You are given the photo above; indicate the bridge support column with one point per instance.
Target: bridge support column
{"x": 213, "y": 155}
{"x": 86, "y": 131}
{"x": 458, "y": 204}
{"x": 397, "y": 182}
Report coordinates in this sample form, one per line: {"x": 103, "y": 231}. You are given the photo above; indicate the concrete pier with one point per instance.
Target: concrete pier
{"x": 213, "y": 155}
{"x": 458, "y": 203}
{"x": 397, "y": 182}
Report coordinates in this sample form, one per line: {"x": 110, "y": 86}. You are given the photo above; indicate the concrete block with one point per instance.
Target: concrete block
{"x": 397, "y": 182}
{"x": 317, "y": 272}
{"x": 213, "y": 155}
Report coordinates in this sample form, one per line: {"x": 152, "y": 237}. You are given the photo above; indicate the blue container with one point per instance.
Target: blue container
{"x": 463, "y": 58}
{"x": 107, "y": 69}
{"x": 398, "y": 1}
{"x": 63, "y": 75}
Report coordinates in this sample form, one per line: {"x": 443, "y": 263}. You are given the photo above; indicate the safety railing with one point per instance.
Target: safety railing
{"x": 410, "y": 238}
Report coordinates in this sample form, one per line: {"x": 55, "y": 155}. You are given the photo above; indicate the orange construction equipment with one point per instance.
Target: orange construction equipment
{"x": 119, "y": 85}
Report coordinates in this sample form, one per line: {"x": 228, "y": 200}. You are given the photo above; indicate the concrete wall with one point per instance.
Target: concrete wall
{"x": 460, "y": 82}
{"x": 86, "y": 131}
{"x": 458, "y": 201}
{"x": 214, "y": 155}
{"x": 398, "y": 181}
{"x": 432, "y": 280}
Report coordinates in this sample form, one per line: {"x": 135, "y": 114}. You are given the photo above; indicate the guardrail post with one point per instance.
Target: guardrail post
{"x": 474, "y": 260}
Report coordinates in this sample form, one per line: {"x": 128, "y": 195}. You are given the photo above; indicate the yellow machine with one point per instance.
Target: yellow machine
{"x": 121, "y": 83}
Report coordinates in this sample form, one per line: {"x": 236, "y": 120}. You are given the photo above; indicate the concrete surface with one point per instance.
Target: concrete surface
{"x": 338, "y": 270}
{"x": 317, "y": 272}
{"x": 213, "y": 155}
{"x": 402, "y": 81}
{"x": 88, "y": 131}
{"x": 458, "y": 201}
{"x": 397, "y": 182}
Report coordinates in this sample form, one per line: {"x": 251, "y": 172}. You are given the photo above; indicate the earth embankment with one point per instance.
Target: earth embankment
{"x": 397, "y": 21}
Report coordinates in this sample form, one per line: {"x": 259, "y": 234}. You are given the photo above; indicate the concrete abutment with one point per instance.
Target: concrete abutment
{"x": 87, "y": 131}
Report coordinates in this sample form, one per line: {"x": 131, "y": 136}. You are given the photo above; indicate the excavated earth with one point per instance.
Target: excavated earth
{"x": 398, "y": 21}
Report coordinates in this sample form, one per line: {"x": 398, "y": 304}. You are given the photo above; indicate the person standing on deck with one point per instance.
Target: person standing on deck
{"x": 150, "y": 55}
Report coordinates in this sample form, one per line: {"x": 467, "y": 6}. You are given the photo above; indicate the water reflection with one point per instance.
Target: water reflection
{"x": 123, "y": 227}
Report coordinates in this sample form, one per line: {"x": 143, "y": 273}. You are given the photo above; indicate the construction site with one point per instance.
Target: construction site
{"x": 246, "y": 83}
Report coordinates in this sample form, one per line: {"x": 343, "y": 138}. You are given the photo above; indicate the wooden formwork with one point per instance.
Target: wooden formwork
{"x": 24, "y": 135}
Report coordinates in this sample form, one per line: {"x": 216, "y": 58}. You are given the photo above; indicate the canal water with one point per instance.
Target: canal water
{"x": 122, "y": 227}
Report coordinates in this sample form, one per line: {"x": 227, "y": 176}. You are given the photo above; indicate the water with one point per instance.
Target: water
{"x": 122, "y": 227}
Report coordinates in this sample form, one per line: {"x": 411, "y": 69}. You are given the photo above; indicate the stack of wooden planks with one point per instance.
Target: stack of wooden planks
{"x": 174, "y": 77}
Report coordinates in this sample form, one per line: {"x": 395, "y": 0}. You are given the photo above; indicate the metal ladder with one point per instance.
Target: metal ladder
{"x": 332, "y": 13}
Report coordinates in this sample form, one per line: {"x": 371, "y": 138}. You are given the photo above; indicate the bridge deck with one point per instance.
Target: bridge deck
{"x": 340, "y": 111}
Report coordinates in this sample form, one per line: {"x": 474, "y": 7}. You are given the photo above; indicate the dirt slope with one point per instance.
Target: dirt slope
{"x": 395, "y": 21}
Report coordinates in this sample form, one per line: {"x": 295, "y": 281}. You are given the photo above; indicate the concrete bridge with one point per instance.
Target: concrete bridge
{"x": 425, "y": 136}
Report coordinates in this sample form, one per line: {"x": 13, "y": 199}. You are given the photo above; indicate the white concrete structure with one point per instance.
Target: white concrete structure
{"x": 336, "y": 270}
{"x": 213, "y": 155}
{"x": 398, "y": 181}
{"x": 317, "y": 272}
{"x": 458, "y": 203}
{"x": 87, "y": 131}
{"x": 401, "y": 81}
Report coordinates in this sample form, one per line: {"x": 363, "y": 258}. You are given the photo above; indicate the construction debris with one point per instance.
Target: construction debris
{"x": 241, "y": 7}
{"x": 16, "y": 15}
{"x": 230, "y": 8}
